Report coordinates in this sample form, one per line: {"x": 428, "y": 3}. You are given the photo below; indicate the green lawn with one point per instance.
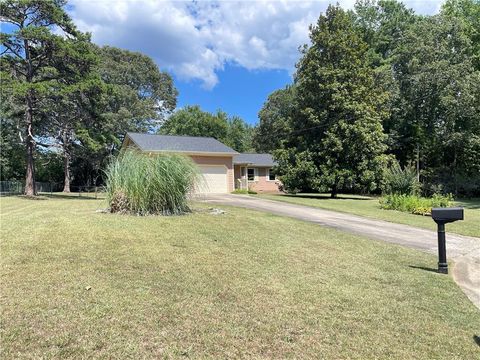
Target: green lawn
{"x": 369, "y": 207}
{"x": 81, "y": 284}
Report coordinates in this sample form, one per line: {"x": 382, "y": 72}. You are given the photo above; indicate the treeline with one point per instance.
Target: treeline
{"x": 67, "y": 103}
{"x": 380, "y": 85}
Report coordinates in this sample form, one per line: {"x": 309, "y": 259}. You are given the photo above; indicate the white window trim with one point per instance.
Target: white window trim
{"x": 268, "y": 176}
{"x": 255, "y": 174}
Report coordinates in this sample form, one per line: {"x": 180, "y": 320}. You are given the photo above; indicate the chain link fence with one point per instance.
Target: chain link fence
{"x": 51, "y": 188}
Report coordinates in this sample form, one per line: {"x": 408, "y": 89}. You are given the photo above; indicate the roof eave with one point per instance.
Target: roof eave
{"x": 253, "y": 164}
{"x": 203, "y": 153}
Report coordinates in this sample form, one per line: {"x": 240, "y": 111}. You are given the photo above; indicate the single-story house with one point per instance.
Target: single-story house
{"x": 223, "y": 169}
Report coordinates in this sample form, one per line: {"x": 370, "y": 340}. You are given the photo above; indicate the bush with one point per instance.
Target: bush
{"x": 145, "y": 185}
{"x": 401, "y": 181}
{"x": 415, "y": 204}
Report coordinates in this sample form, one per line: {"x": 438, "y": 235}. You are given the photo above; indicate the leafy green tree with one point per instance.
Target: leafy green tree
{"x": 142, "y": 94}
{"x": 135, "y": 96}
{"x": 193, "y": 121}
{"x": 12, "y": 159}
{"x": 437, "y": 116}
{"x": 274, "y": 117}
{"x": 239, "y": 135}
{"x": 34, "y": 59}
{"x": 382, "y": 25}
{"x": 467, "y": 12}
{"x": 337, "y": 130}
{"x": 72, "y": 118}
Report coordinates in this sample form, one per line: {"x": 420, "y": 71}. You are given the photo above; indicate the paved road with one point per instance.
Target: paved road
{"x": 463, "y": 250}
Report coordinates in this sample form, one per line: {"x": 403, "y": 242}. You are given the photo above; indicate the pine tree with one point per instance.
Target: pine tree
{"x": 34, "y": 60}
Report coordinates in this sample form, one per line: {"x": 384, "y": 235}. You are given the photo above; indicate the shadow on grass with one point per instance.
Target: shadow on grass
{"x": 75, "y": 196}
{"x": 476, "y": 338}
{"x": 327, "y": 197}
{"x": 72, "y": 196}
{"x": 423, "y": 268}
{"x": 473, "y": 204}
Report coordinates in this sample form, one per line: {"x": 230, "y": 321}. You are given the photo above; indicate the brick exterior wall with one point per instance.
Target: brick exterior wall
{"x": 261, "y": 184}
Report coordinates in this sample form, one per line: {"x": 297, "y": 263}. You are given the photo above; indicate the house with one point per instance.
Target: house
{"x": 254, "y": 172}
{"x": 222, "y": 168}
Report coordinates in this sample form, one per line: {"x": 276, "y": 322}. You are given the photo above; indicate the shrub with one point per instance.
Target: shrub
{"x": 401, "y": 181}
{"x": 144, "y": 185}
{"x": 415, "y": 204}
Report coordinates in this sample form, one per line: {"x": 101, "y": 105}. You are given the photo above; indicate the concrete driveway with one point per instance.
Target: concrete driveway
{"x": 464, "y": 251}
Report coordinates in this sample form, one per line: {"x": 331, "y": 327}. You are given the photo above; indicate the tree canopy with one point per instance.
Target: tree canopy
{"x": 62, "y": 95}
{"x": 376, "y": 85}
{"x": 381, "y": 81}
{"x": 337, "y": 127}
{"x": 193, "y": 121}
{"x": 34, "y": 63}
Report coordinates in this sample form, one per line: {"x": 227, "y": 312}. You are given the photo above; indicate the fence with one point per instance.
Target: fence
{"x": 48, "y": 188}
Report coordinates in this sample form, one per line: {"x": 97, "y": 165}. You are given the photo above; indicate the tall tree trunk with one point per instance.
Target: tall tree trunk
{"x": 66, "y": 162}
{"x": 418, "y": 162}
{"x": 333, "y": 193}
{"x": 66, "y": 166}
{"x": 30, "y": 149}
{"x": 29, "y": 140}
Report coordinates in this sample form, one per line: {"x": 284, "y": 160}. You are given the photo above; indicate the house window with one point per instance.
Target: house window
{"x": 251, "y": 174}
{"x": 270, "y": 175}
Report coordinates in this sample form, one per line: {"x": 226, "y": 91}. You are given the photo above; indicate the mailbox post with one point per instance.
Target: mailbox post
{"x": 442, "y": 216}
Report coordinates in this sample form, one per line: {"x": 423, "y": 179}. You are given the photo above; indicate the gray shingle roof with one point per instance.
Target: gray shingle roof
{"x": 152, "y": 142}
{"x": 254, "y": 159}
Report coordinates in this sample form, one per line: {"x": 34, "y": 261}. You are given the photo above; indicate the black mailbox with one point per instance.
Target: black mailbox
{"x": 447, "y": 215}
{"x": 442, "y": 216}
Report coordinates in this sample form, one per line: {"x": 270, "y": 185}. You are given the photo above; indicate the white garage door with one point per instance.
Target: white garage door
{"x": 214, "y": 179}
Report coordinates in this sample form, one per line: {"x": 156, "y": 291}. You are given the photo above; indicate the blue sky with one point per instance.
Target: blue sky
{"x": 239, "y": 91}
{"x": 227, "y": 55}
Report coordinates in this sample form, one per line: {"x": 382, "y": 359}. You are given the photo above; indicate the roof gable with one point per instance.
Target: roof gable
{"x": 175, "y": 143}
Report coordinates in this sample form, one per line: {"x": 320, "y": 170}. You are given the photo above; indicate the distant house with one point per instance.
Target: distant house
{"x": 223, "y": 168}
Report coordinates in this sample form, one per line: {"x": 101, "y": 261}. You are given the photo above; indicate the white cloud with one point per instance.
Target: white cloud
{"x": 195, "y": 39}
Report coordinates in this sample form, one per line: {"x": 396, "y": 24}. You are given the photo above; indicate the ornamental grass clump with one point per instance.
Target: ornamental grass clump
{"x": 401, "y": 181}
{"x": 148, "y": 185}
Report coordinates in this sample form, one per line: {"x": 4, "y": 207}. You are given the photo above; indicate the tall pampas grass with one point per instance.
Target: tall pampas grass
{"x": 147, "y": 185}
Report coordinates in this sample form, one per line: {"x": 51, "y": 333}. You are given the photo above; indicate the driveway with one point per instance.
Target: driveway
{"x": 463, "y": 250}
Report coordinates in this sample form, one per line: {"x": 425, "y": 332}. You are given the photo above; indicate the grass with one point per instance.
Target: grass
{"x": 77, "y": 284}
{"x": 370, "y": 207}
{"x": 243, "y": 191}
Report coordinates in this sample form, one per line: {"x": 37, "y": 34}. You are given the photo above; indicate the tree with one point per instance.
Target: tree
{"x": 135, "y": 95}
{"x": 34, "y": 58}
{"x": 72, "y": 118}
{"x": 437, "y": 113}
{"x": 12, "y": 160}
{"x": 467, "y": 12}
{"x": 239, "y": 135}
{"x": 193, "y": 121}
{"x": 142, "y": 95}
{"x": 382, "y": 25}
{"x": 336, "y": 133}
{"x": 274, "y": 117}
